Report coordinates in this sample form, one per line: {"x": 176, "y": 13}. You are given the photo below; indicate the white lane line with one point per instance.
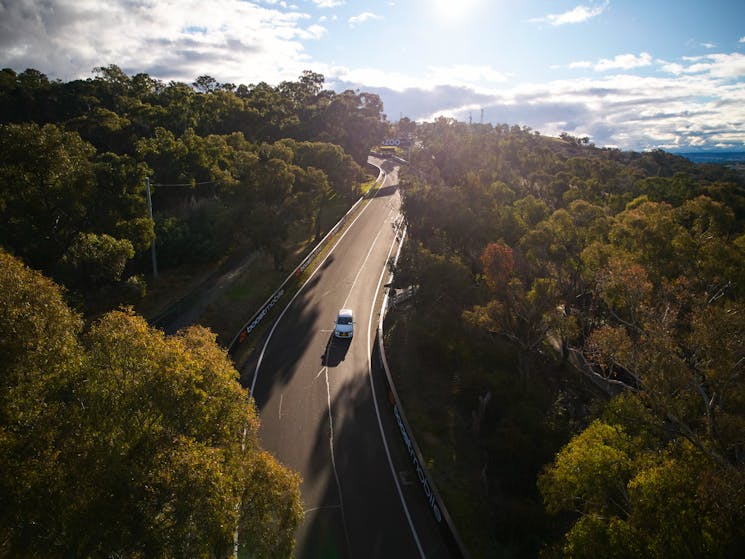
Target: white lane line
{"x": 333, "y": 464}
{"x": 325, "y": 369}
{"x": 299, "y": 291}
{"x": 377, "y": 413}
{"x": 362, "y": 267}
{"x": 328, "y": 393}
{"x": 328, "y": 507}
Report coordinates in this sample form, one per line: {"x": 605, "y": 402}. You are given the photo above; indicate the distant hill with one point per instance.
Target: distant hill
{"x": 714, "y": 156}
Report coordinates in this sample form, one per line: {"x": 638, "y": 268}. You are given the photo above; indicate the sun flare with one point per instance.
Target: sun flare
{"x": 454, "y": 11}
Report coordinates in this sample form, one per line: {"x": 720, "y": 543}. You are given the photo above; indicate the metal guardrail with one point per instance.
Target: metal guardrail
{"x": 432, "y": 495}
{"x": 259, "y": 315}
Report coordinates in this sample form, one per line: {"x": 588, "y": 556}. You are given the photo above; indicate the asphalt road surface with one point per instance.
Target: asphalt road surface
{"x": 317, "y": 399}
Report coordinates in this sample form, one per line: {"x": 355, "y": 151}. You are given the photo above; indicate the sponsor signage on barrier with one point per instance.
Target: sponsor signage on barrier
{"x": 266, "y": 309}
{"x": 304, "y": 265}
{"x": 419, "y": 470}
{"x": 243, "y": 333}
{"x": 397, "y": 142}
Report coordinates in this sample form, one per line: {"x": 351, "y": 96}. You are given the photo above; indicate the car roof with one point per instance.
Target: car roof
{"x": 345, "y": 312}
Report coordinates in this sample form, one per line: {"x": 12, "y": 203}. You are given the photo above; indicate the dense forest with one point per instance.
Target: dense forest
{"x": 116, "y": 440}
{"x": 229, "y": 166}
{"x": 572, "y": 359}
{"x": 574, "y": 355}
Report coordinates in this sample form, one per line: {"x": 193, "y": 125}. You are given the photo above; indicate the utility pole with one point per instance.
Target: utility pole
{"x": 150, "y": 215}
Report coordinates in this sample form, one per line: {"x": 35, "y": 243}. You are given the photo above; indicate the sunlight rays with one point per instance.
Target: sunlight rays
{"x": 454, "y": 12}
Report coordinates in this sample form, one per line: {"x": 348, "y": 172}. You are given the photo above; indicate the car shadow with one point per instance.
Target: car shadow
{"x": 336, "y": 351}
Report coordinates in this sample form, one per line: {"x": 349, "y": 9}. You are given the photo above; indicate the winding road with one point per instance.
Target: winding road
{"x": 324, "y": 409}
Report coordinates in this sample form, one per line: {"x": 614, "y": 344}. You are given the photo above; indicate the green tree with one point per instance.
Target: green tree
{"x": 270, "y": 509}
{"x": 125, "y": 442}
{"x": 46, "y": 185}
{"x": 40, "y": 358}
{"x": 634, "y": 496}
{"x": 104, "y": 129}
{"x": 554, "y": 246}
{"x": 524, "y": 316}
{"x": 649, "y": 231}
{"x": 94, "y": 260}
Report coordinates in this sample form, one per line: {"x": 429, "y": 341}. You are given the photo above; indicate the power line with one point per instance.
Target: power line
{"x": 150, "y": 212}
{"x": 184, "y": 183}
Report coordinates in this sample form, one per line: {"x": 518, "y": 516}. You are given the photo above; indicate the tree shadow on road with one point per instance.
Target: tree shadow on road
{"x": 386, "y": 191}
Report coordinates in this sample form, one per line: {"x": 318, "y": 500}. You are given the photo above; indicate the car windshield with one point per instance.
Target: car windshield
{"x": 344, "y": 320}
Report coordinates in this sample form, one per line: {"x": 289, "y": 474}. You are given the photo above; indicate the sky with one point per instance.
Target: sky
{"x": 630, "y": 74}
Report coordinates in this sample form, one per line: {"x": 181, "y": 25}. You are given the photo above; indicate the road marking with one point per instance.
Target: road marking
{"x": 321, "y": 372}
{"x": 377, "y": 411}
{"x": 333, "y": 464}
{"x": 327, "y": 507}
{"x": 328, "y": 389}
{"x": 362, "y": 267}
{"x": 297, "y": 294}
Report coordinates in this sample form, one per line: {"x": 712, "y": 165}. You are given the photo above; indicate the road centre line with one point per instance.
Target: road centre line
{"x": 295, "y": 296}
{"x": 328, "y": 390}
{"x": 333, "y": 462}
{"x": 327, "y": 507}
{"x": 328, "y": 396}
{"x": 377, "y": 410}
{"x": 372, "y": 246}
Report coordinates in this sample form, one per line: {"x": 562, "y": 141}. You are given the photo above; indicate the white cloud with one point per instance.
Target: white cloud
{"x": 623, "y": 110}
{"x": 313, "y": 32}
{"x": 618, "y": 62}
{"x": 329, "y": 3}
{"x": 722, "y": 66}
{"x": 708, "y": 45}
{"x": 363, "y": 17}
{"x": 686, "y": 101}
{"x": 672, "y": 67}
{"x": 473, "y": 77}
{"x": 374, "y": 77}
{"x": 624, "y": 62}
{"x": 742, "y": 39}
{"x": 579, "y": 14}
{"x": 232, "y": 40}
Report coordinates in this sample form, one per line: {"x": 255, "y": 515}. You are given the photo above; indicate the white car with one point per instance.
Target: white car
{"x": 344, "y": 325}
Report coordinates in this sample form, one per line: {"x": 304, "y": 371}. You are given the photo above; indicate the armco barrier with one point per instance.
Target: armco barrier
{"x": 254, "y": 321}
{"x": 434, "y": 501}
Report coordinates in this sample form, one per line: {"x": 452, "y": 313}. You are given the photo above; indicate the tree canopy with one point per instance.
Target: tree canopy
{"x": 229, "y": 167}
{"x": 116, "y": 440}
{"x": 600, "y": 304}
